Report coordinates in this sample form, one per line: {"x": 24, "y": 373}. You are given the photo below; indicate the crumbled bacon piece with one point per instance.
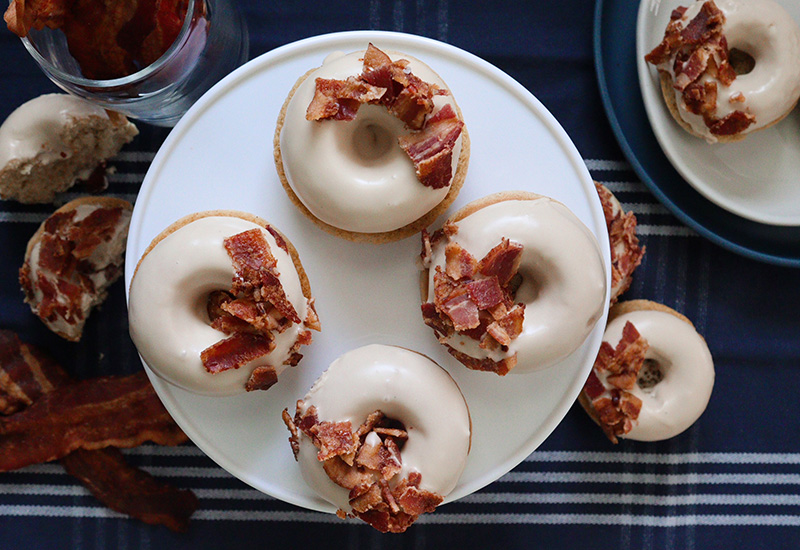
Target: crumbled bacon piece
{"x": 376, "y": 494}
{"x": 253, "y": 311}
{"x": 617, "y": 409}
{"x": 431, "y": 148}
{"x": 475, "y": 299}
{"x": 340, "y": 99}
{"x": 626, "y": 254}
{"x": 700, "y": 48}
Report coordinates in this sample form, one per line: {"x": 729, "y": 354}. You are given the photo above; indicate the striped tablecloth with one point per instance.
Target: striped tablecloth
{"x": 731, "y": 481}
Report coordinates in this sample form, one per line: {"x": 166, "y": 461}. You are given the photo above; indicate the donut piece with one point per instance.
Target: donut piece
{"x": 729, "y": 67}
{"x": 653, "y": 375}
{"x": 50, "y": 142}
{"x": 363, "y": 160}
{"x": 383, "y": 435}
{"x": 512, "y": 280}
{"x": 72, "y": 259}
{"x": 219, "y": 304}
{"x": 626, "y": 254}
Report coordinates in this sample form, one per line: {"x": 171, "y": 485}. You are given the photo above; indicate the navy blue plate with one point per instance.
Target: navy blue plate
{"x": 615, "y": 62}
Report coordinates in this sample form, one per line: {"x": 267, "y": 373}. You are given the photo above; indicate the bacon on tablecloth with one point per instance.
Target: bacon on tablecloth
{"x": 118, "y": 411}
{"x": 28, "y": 374}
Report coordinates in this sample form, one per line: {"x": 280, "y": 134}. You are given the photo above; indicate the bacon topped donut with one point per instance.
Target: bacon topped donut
{"x": 653, "y": 375}
{"x": 371, "y": 146}
{"x": 383, "y": 435}
{"x": 512, "y": 281}
{"x": 220, "y": 304}
{"x": 729, "y": 67}
{"x": 72, "y": 259}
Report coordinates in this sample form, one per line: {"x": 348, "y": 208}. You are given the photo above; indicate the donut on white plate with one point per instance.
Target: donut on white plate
{"x": 220, "y": 304}
{"x": 653, "y": 376}
{"x": 729, "y": 67}
{"x": 383, "y": 435}
{"x": 371, "y": 146}
{"x": 512, "y": 281}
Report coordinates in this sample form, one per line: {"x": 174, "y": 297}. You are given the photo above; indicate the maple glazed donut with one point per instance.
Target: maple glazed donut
{"x": 512, "y": 280}
{"x": 653, "y": 376}
{"x": 729, "y": 67}
{"x": 371, "y": 146}
{"x": 219, "y": 304}
{"x": 383, "y": 435}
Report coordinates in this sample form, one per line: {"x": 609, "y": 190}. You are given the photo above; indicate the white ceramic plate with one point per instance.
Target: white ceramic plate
{"x": 757, "y": 178}
{"x": 220, "y": 156}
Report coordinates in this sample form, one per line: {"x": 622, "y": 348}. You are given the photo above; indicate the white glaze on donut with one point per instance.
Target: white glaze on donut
{"x": 405, "y": 386}
{"x": 764, "y": 30}
{"x": 678, "y": 400}
{"x": 354, "y": 175}
{"x": 34, "y": 129}
{"x": 167, "y": 307}
{"x": 564, "y": 278}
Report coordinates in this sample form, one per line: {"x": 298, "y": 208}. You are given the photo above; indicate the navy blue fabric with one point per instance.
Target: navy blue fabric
{"x": 731, "y": 481}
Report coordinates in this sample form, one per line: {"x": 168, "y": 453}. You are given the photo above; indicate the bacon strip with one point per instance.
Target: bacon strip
{"x": 235, "y": 351}
{"x": 24, "y": 370}
{"x": 431, "y": 149}
{"x": 119, "y": 411}
{"x": 129, "y": 490}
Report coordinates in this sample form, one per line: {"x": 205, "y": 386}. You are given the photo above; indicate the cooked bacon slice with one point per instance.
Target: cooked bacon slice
{"x": 104, "y": 472}
{"x": 485, "y": 364}
{"x": 486, "y": 293}
{"x": 462, "y": 311}
{"x": 340, "y": 99}
{"x": 335, "y": 439}
{"x": 251, "y": 256}
{"x": 733, "y": 123}
{"x": 459, "y": 264}
{"x": 502, "y": 261}
{"x": 262, "y": 378}
{"x": 119, "y": 411}
{"x": 235, "y": 351}
{"x": 129, "y": 490}
{"x": 431, "y": 149}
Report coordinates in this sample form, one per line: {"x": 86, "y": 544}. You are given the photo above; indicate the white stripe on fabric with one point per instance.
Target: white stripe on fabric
{"x": 434, "y": 519}
{"x": 23, "y": 217}
{"x": 652, "y": 479}
{"x": 624, "y": 186}
{"x": 707, "y": 499}
{"x": 603, "y": 164}
{"x": 651, "y": 230}
{"x": 657, "y": 458}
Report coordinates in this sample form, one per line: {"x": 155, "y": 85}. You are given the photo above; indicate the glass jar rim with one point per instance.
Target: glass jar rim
{"x": 132, "y": 78}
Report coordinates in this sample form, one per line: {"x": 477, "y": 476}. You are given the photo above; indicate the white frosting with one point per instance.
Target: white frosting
{"x": 764, "y": 30}
{"x": 678, "y": 400}
{"x": 405, "y": 386}
{"x": 167, "y": 308}
{"x": 353, "y": 174}
{"x": 34, "y": 129}
{"x": 564, "y": 281}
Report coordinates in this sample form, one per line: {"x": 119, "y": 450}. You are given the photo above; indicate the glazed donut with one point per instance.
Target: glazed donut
{"x": 356, "y": 178}
{"x": 513, "y": 279}
{"x": 50, "y": 142}
{"x": 653, "y": 375}
{"x": 754, "y": 80}
{"x": 626, "y": 254}
{"x": 219, "y": 304}
{"x": 72, "y": 260}
{"x": 382, "y": 419}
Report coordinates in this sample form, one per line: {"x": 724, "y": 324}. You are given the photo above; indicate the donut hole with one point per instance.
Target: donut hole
{"x": 388, "y": 427}
{"x": 741, "y": 61}
{"x": 372, "y": 142}
{"x": 212, "y": 302}
{"x": 651, "y": 374}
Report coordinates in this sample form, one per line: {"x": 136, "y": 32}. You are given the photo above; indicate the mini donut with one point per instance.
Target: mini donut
{"x": 383, "y": 435}
{"x": 72, "y": 259}
{"x": 220, "y": 303}
{"x": 353, "y": 178}
{"x": 626, "y": 254}
{"x": 54, "y": 140}
{"x": 754, "y": 80}
{"x": 653, "y": 375}
{"x": 512, "y": 280}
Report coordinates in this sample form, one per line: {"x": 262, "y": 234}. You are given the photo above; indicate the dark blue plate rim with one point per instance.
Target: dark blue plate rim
{"x": 778, "y": 245}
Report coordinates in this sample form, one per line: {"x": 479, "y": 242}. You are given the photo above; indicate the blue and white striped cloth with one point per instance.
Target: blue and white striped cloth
{"x": 731, "y": 481}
